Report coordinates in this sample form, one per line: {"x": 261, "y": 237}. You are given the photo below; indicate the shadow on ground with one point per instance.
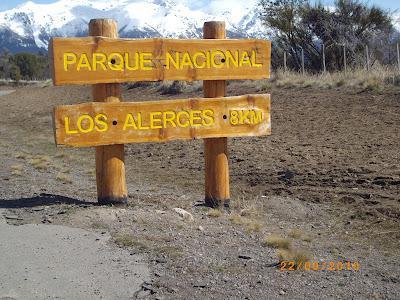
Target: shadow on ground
{"x": 43, "y": 199}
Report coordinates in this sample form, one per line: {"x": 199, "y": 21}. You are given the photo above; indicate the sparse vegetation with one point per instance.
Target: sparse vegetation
{"x": 299, "y": 256}
{"x": 64, "y": 178}
{"x": 127, "y": 240}
{"x": 295, "y": 233}
{"x": 214, "y": 213}
{"x": 40, "y": 162}
{"x": 278, "y": 242}
{"x": 16, "y": 170}
{"x": 174, "y": 88}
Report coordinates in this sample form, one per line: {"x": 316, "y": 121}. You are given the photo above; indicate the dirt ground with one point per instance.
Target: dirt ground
{"x": 324, "y": 187}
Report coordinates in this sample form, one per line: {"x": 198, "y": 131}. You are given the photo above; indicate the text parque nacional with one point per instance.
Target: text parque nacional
{"x": 145, "y": 61}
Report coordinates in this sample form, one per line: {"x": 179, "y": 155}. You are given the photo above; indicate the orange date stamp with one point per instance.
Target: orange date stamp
{"x": 291, "y": 265}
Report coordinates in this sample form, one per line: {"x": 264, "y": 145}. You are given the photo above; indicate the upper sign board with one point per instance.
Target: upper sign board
{"x": 105, "y": 60}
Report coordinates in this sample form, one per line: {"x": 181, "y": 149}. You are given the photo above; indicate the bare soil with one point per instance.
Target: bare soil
{"x": 327, "y": 180}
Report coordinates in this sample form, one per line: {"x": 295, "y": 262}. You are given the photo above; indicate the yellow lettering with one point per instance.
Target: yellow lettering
{"x": 179, "y": 121}
{"x": 99, "y": 58}
{"x": 116, "y": 64}
{"x": 67, "y": 130}
{"x": 230, "y": 59}
{"x": 81, "y": 120}
{"x": 83, "y": 63}
{"x": 129, "y": 122}
{"x": 244, "y": 117}
{"x": 186, "y": 61}
{"x": 194, "y": 118}
{"x": 101, "y": 119}
{"x": 195, "y": 61}
{"x": 253, "y": 60}
{"x": 69, "y": 59}
{"x": 245, "y": 59}
{"x": 234, "y": 117}
{"x": 214, "y": 55}
{"x": 144, "y": 60}
{"x": 127, "y": 66}
{"x": 170, "y": 60}
{"x": 208, "y": 117}
{"x": 140, "y": 122}
{"x": 153, "y": 120}
{"x": 256, "y": 116}
{"x": 169, "y": 116}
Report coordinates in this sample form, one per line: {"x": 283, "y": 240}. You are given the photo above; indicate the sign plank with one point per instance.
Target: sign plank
{"x": 94, "y": 124}
{"x": 93, "y": 60}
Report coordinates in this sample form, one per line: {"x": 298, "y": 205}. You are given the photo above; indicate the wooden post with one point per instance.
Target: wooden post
{"x": 344, "y": 59}
{"x": 302, "y": 61}
{"x": 367, "y": 56}
{"x": 323, "y": 58}
{"x": 398, "y": 56}
{"x": 110, "y": 160}
{"x": 284, "y": 62}
{"x": 216, "y": 149}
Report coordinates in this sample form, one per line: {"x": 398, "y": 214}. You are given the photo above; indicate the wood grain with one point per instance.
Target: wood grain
{"x": 194, "y": 120}
{"x": 156, "y": 59}
{"x": 216, "y": 177}
{"x": 110, "y": 160}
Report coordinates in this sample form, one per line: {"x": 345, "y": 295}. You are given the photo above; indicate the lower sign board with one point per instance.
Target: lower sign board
{"x": 95, "y": 124}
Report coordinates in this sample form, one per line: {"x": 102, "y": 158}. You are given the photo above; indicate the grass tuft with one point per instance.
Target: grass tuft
{"x": 275, "y": 241}
{"x": 299, "y": 256}
{"x": 214, "y": 213}
{"x": 64, "y": 178}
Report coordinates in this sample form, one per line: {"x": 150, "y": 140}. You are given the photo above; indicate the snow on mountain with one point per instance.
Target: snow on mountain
{"x": 30, "y": 26}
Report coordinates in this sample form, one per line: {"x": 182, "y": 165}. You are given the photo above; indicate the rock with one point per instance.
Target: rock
{"x": 201, "y": 228}
{"x": 184, "y": 214}
{"x": 13, "y": 217}
{"x": 161, "y": 212}
{"x": 160, "y": 260}
{"x": 282, "y": 292}
{"x": 200, "y": 284}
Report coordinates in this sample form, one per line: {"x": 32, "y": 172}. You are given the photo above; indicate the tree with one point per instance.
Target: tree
{"x": 299, "y": 25}
{"x": 27, "y": 64}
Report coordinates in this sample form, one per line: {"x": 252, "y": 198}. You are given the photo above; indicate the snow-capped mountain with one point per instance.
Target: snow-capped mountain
{"x": 30, "y": 26}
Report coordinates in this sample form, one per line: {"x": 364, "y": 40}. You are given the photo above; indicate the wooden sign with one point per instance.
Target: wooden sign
{"x": 94, "y": 124}
{"x": 104, "y": 60}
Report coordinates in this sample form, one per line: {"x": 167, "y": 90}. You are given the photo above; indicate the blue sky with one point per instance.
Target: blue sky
{"x": 387, "y": 4}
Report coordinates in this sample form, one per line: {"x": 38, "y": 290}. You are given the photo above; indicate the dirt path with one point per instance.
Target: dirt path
{"x": 324, "y": 187}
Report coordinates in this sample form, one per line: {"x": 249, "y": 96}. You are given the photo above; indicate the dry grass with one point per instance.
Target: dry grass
{"x": 295, "y": 233}
{"x": 359, "y": 79}
{"x": 299, "y": 256}
{"x": 127, "y": 240}
{"x": 40, "y": 162}
{"x": 214, "y": 213}
{"x": 64, "y": 178}
{"x": 16, "y": 170}
{"x": 22, "y": 155}
{"x": 278, "y": 242}
{"x": 250, "y": 225}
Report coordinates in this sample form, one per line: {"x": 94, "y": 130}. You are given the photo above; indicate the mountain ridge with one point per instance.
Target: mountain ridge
{"x": 30, "y": 26}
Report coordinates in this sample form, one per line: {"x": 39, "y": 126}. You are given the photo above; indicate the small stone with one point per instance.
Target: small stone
{"x": 160, "y": 260}
{"x": 184, "y": 214}
{"x": 13, "y": 217}
{"x": 282, "y": 292}
{"x": 201, "y": 228}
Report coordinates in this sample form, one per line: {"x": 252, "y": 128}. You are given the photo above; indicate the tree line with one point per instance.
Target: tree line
{"x": 25, "y": 66}
{"x": 310, "y": 30}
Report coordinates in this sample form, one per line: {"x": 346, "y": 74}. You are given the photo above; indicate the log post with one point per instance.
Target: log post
{"x": 216, "y": 149}
{"x": 110, "y": 160}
